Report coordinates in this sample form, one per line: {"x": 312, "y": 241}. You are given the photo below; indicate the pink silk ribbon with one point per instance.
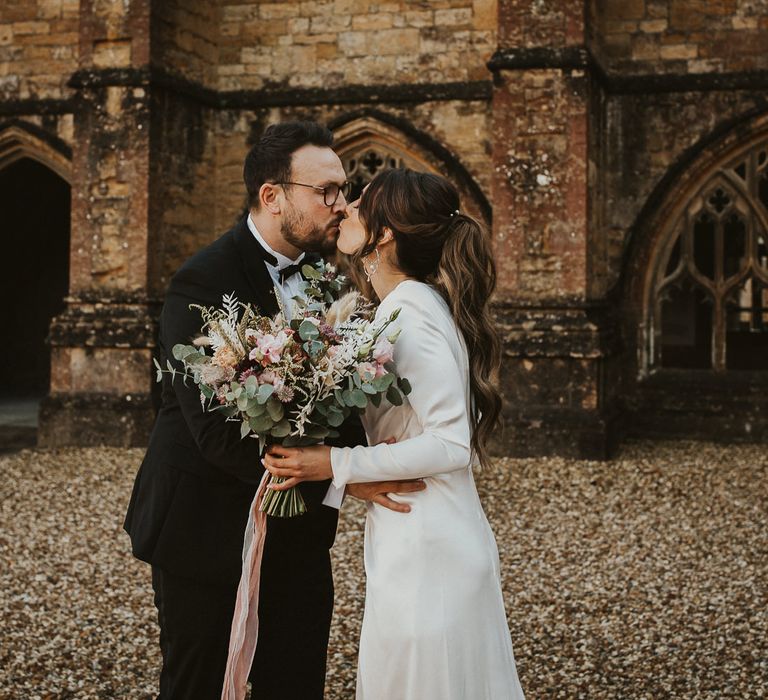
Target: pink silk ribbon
{"x": 245, "y": 621}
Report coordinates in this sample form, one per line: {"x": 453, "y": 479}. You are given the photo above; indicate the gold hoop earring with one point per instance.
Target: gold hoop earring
{"x": 370, "y": 271}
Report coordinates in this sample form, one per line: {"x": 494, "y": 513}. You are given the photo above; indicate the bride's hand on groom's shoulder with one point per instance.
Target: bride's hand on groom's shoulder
{"x": 297, "y": 464}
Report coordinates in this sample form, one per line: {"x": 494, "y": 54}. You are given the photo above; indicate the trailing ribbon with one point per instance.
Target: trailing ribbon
{"x": 245, "y": 621}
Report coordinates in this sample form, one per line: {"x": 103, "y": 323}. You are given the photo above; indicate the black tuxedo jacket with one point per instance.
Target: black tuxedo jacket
{"x": 192, "y": 493}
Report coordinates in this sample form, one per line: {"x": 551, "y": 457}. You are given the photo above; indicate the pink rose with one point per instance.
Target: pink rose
{"x": 271, "y": 346}
{"x": 270, "y": 377}
{"x": 367, "y": 371}
{"x": 383, "y": 351}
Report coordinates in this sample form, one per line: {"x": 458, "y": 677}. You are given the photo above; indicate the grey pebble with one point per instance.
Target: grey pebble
{"x": 642, "y": 577}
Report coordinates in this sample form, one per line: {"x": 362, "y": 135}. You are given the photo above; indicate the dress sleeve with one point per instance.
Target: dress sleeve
{"x": 422, "y": 355}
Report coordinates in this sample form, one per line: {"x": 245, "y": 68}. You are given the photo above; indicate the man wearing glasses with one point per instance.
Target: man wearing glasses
{"x": 192, "y": 493}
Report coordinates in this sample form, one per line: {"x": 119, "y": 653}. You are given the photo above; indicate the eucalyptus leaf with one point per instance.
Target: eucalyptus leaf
{"x": 376, "y": 400}
{"x": 310, "y": 272}
{"x": 368, "y": 388}
{"x": 359, "y": 398}
{"x": 335, "y": 417}
{"x": 255, "y": 408}
{"x": 317, "y": 432}
{"x": 245, "y": 428}
{"x": 394, "y": 397}
{"x": 346, "y": 396}
{"x": 178, "y": 351}
{"x": 228, "y": 411}
{"x": 265, "y": 391}
{"x": 281, "y": 429}
{"x": 308, "y": 330}
{"x": 275, "y": 409}
{"x": 405, "y": 386}
{"x": 261, "y": 424}
{"x": 251, "y": 386}
{"x": 383, "y": 382}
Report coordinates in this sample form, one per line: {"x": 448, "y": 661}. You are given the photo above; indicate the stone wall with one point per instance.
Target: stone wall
{"x": 674, "y": 36}
{"x": 335, "y": 43}
{"x": 589, "y": 112}
{"x": 186, "y": 39}
{"x": 38, "y": 47}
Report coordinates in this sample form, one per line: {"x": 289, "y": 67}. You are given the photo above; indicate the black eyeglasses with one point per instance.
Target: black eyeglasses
{"x": 330, "y": 192}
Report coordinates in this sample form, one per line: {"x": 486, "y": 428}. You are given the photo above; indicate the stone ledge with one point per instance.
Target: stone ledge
{"x": 546, "y": 432}
{"x": 101, "y": 322}
{"x": 574, "y": 331}
{"x": 279, "y": 95}
{"x": 87, "y": 420}
{"x": 572, "y": 58}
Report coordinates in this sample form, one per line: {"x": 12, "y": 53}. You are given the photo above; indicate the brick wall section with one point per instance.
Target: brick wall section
{"x": 186, "y": 37}
{"x": 540, "y": 23}
{"x": 111, "y": 158}
{"x": 38, "y": 47}
{"x": 333, "y": 43}
{"x": 540, "y": 203}
{"x": 182, "y": 187}
{"x": 689, "y": 36}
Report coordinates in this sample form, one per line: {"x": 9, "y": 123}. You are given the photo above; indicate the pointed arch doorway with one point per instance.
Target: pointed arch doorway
{"x": 34, "y": 245}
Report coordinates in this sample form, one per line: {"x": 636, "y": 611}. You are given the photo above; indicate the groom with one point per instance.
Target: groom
{"x": 192, "y": 493}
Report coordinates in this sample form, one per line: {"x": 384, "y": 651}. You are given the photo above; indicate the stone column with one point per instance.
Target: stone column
{"x": 102, "y": 343}
{"x": 558, "y": 340}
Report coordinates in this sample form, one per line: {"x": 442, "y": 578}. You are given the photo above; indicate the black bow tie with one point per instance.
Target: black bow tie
{"x": 289, "y": 271}
{"x": 286, "y": 272}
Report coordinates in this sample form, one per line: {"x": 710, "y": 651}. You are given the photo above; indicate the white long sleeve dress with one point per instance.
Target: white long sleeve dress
{"x": 434, "y": 626}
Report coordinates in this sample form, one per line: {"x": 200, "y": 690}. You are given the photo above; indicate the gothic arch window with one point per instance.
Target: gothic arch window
{"x": 709, "y": 305}
{"x": 367, "y": 146}
{"x": 363, "y": 164}
{"x": 19, "y": 140}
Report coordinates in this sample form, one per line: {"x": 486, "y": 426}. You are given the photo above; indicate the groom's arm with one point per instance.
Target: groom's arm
{"x": 217, "y": 440}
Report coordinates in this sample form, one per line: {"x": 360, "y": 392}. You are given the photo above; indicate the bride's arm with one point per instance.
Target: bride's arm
{"x": 424, "y": 357}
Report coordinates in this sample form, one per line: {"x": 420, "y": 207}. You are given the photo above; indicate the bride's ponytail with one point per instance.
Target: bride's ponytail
{"x": 439, "y": 245}
{"x": 466, "y": 277}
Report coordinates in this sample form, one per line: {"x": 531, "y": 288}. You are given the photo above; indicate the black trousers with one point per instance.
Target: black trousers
{"x": 295, "y": 609}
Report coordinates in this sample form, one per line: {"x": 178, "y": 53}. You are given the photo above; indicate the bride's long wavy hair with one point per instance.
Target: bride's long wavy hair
{"x": 438, "y": 244}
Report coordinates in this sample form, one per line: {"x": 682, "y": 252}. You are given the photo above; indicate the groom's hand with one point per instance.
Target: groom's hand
{"x": 378, "y": 492}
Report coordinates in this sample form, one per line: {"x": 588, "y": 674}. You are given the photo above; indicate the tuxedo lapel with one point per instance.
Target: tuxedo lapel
{"x": 252, "y": 259}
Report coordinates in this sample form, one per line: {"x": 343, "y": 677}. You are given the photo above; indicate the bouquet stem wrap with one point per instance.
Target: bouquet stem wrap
{"x": 245, "y": 621}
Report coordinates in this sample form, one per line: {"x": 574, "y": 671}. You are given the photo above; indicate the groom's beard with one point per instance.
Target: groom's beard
{"x": 308, "y": 236}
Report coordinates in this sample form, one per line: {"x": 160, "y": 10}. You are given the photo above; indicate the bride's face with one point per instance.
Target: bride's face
{"x": 351, "y": 232}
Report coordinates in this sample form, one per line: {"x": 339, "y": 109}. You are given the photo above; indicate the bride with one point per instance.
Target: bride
{"x": 434, "y": 626}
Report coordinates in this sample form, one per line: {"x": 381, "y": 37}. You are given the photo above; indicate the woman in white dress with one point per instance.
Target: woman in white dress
{"x": 434, "y": 626}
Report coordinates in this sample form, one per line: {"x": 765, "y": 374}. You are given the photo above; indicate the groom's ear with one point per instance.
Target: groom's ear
{"x": 270, "y": 198}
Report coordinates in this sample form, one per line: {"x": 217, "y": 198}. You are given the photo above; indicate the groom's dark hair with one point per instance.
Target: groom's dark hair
{"x": 269, "y": 160}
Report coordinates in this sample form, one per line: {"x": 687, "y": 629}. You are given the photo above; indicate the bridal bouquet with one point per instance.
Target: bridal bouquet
{"x": 293, "y": 382}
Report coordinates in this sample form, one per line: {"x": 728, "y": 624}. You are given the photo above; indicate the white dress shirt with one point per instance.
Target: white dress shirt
{"x": 287, "y": 290}
{"x": 292, "y": 286}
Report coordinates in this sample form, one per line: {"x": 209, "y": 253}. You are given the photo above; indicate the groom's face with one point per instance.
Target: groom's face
{"x": 308, "y": 222}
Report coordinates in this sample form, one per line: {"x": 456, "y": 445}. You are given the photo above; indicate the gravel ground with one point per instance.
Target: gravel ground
{"x": 643, "y": 577}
